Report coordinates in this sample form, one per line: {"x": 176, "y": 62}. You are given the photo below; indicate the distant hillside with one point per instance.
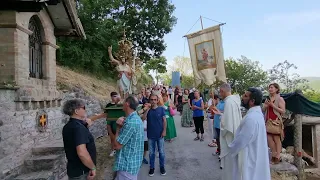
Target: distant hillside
{"x": 314, "y": 82}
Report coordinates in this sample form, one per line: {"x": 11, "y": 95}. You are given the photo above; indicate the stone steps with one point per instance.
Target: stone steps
{"x": 46, "y": 163}
{"x": 47, "y": 150}
{"x": 40, "y": 175}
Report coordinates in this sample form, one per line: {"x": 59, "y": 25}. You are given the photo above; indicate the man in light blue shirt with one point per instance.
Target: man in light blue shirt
{"x": 129, "y": 142}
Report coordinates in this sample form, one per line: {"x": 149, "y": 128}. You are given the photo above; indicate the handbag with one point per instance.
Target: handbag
{"x": 274, "y": 126}
{"x": 172, "y": 111}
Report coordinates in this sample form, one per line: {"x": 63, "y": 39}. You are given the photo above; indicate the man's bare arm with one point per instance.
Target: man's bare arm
{"x": 85, "y": 156}
{"x": 164, "y": 125}
{"x": 109, "y": 129}
{"x": 144, "y": 116}
{"x": 116, "y": 144}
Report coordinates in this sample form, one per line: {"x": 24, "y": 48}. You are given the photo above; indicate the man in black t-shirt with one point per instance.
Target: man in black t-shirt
{"x": 78, "y": 142}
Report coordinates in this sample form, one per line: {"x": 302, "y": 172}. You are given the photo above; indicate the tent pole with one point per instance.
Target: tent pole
{"x": 297, "y": 141}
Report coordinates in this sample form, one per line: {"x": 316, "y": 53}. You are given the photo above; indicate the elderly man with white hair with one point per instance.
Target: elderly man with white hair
{"x": 230, "y": 121}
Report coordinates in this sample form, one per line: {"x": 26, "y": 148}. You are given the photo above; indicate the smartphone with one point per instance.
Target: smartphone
{"x": 268, "y": 98}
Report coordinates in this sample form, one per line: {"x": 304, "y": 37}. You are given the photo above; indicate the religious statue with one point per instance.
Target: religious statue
{"x": 204, "y": 54}
{"x": 127, "y": 66}
{"x": 124, "y": 75}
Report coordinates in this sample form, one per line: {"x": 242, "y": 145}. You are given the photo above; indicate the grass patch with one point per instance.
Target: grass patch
{"x": 91, "y": 84}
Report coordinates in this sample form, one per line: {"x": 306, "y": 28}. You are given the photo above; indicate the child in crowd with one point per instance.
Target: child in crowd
{"x": 145, "y": 161}
{"x": 112, "y": 125}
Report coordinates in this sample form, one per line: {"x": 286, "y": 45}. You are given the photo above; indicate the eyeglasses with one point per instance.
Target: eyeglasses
{"x": 83, "y": 107}
{"x": 153, "y": 99}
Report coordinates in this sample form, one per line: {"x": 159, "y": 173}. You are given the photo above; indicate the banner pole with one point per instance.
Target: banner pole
{"x": 201, "y": 22}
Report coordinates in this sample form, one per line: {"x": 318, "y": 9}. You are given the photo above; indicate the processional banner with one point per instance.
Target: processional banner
{"x": 175, "y": 79}
{"x": 206, "y": 53}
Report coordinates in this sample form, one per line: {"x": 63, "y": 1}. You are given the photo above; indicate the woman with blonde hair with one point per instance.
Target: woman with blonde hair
{"x": 274, "y": 108}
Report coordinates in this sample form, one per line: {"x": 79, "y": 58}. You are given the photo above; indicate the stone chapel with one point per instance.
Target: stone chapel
{"x": 30, "y": 112}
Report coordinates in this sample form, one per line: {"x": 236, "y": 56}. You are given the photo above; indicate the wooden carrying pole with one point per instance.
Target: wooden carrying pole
{"x": 201, "y": 22}
{"x": 297, "y": 141}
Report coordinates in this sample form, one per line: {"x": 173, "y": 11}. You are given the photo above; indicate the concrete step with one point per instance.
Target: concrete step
{"x": 41, "y": 175}
{"x": 46, "y": 162}
{"x": 46, "y": 149}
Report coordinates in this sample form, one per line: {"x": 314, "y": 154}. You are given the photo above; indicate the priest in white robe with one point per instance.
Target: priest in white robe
{"x": 251, "y": 140}
{"x": 230, "y": 121}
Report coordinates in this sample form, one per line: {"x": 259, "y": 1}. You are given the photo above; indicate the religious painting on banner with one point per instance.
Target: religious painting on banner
{"x": 206, "y": 54}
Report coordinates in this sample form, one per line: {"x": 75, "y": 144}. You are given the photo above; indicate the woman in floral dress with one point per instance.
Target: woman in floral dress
{"x": 186, "y": 119}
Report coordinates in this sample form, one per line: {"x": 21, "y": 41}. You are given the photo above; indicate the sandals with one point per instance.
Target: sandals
{"x": 212, "y": 144}
{"x": 275, "y": 160}
{"x": 201, "y": 139}
{"x": 196, "y": 139}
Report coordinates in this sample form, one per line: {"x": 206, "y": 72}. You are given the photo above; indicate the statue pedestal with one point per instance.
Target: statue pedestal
{"x": 114, "y": 113}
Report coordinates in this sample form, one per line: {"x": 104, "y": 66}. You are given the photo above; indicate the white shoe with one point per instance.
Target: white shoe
{"x": 113, "y": 152}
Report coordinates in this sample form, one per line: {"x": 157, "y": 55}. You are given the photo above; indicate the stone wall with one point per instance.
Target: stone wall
{"x": 93, "y": 106}
{"x": 19, "y": 130}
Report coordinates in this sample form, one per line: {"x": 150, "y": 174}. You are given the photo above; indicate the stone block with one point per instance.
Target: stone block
{"x": 41, "y": 175}
{"x": 10, "y": 144}
{"x": 6, "y": 96}
{"x": 9, "y": 130}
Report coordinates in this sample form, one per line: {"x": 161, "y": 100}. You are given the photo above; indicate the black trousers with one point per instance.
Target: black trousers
{"x": 198, "y": 123}
{"x": 218, "y": 139}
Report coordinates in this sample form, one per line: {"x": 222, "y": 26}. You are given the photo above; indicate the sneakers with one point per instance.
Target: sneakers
{"x": 145, "y": 161}
{"x": 151, "y": 172}
{"x": 113, "y": 152}
{"x": 163, "y": 171}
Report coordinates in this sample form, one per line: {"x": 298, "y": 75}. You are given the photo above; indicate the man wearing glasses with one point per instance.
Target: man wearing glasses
{"x": 156, "y": 131}
{"x": 78, "y": 142}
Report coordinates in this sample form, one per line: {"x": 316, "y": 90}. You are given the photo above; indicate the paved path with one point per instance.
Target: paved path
{"x": 186, "y": 159}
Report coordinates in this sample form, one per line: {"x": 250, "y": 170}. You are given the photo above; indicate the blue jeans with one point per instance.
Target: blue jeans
{"x": 152, "y": 149}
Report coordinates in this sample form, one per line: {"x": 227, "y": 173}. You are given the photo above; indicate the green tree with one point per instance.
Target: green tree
{"x": 158, "y": 65}
{"x": 166, "y": 77}
{"x": 145, "y": 22}
{"x": 282, "y": 74}
{"x": 312, "y": 95}
{"x": 181, "y": 64}
{"x": 187, "y": 81}
{"x": 243, "y": 73}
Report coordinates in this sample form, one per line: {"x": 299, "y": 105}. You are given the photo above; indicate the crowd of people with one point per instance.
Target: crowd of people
{"x": 242, "y": 142}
